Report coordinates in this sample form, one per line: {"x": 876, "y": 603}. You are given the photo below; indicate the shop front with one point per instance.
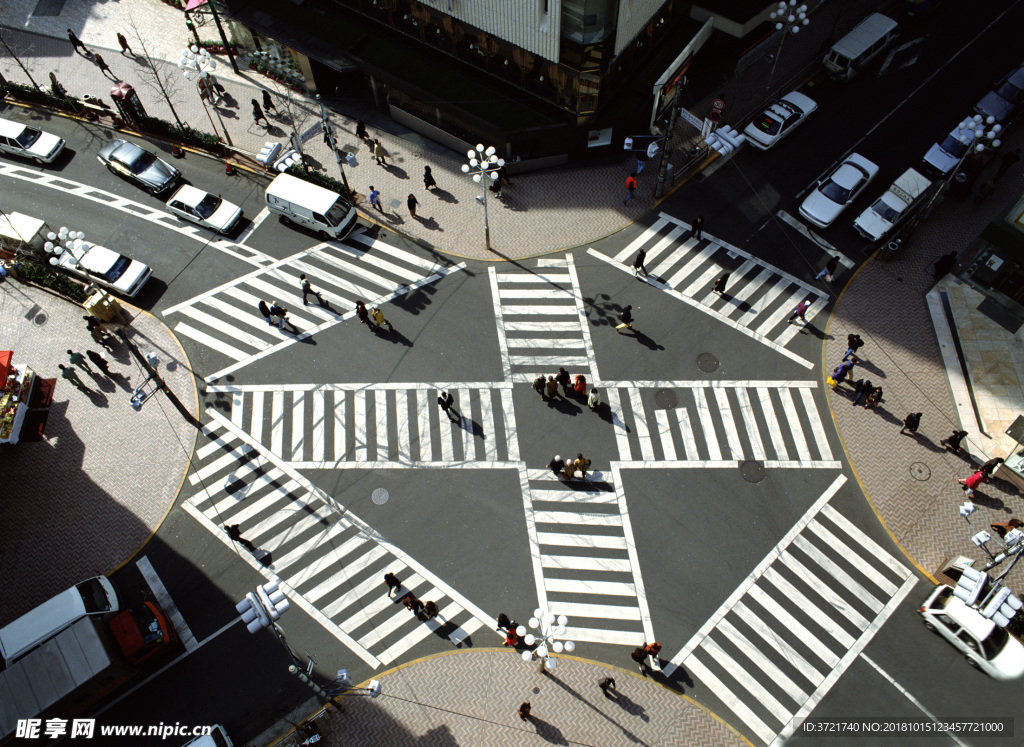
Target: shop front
{"x": 24, "y": 401}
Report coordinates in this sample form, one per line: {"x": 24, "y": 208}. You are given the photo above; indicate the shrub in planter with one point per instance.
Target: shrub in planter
{"x": 321, "y": 180}
{"x": 31, "y": 95}
{"x": 184, "y": 135}
{"x": 40, "y": 274}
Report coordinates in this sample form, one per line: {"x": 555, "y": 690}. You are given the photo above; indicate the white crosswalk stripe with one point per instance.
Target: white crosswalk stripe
{"x": 735, "y": 421}
{"x": 541, "y": 321}
{"x": 356, "y": 425}
{"x": 774, "y": 648}
{"x": 328, "y": 563}
{"x": 585, "y": 558}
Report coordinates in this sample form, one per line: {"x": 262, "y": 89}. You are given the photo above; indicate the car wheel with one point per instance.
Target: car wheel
{"x": 40, "y": 161}
{"x": 325, "y": 236}
{"x": 930, "y": 626}
{"x": 285, "y": 220}
{"x": 973, "y": 662}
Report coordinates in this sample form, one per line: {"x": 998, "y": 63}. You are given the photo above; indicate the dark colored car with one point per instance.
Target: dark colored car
{"x": 1002, "y": 101}
{"x": 137, "y": 165}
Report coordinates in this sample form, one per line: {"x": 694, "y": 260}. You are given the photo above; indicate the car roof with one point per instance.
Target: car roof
{"x": 11, "y": 129}
{"x": 797, "y": 99}
{"x": 189, "y": 195}
{"x": 128, "y": 151}
{"x": 969, "y": 618}
{"x": 864, "y": 34}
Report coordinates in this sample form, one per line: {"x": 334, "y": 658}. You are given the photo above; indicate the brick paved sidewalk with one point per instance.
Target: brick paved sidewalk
{"x": 84, "y": 499}
{"x": 472, "y": 697}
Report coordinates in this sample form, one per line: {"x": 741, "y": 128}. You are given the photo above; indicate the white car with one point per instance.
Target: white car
{"x": 837, "y": 190}
{"x": 778, "y": 120}
{"x": 209, "y": 211}
{"x": 986, "y": 646}
{"x": 102, "y": 266}
{"x": 943, "y": 157}
{"x": 893, "y": 206}
{"x": 28, "y": 142}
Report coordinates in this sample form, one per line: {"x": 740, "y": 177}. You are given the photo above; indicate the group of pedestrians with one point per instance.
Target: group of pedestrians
{"x": 548, "y": 388}
{"x": 275, "y": 313}
{"x": 865, "y": 393}
{"x": 983, "y": 474}
{"x": 568, "y": 468}
{"x": 423, "y": 610}
{"x": 372, "y": 318}
{"x": 68, "y": 373}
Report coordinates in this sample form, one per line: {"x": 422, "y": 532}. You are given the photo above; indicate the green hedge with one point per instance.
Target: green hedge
{"x": 183, "y": 135}
{"x": 31, "y": 95}
{"x": 41, "y": 275}
{"x": 322, "y": 180}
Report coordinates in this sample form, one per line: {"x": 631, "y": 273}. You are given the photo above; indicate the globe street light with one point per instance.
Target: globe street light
{"x": 972, "y": 134}
{"x": 788, "y": 19}
{"x": 197, "y": 64}
{"x": 547, "y": 627}
{"x": 483, "y": 163}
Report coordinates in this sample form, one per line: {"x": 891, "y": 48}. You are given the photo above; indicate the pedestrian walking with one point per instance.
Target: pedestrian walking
{"x": 363, "y": 314}
{"x": 1008, "y": 161}
{"x": 413, "y": 604}
{"x": 641, "y": 161}
{"x": 638, "y": 263}
{"x": 361, "y": 132}
{"x": 1003, "y": 527}
{"x": 257, "y": 113}
{"x": 428, "y": 179}
{"x": 393, "y": 583}
{"x": 653, "y": 650}
{"x": 103, "y": 66}
{"x": 799, "y": 311}
{"x": 630, "y": 188}
{"x": 626, "y": 319}
{"x": 911, "y": 422}
{"x": 569, "y": 471}
{"x": 944, "y": 264}
{"x": 608, "y": 683}
{"x": 77, "y": 359}
{"x": 307, "y": 290}
{"x": 504, "y": 623}
{"x": 990, "y": 466}
{"x": 378, "y": 152}
{"x": 538, "y": 386}
{"x": 853, "y": 344}
{"x": 697, "y": 229}
{"x": 412, "y": 203}
{"x": 99, "y": 361}
{"x": 954, "y": 439}
{"x": 562, "y": 377}
{"x": 551, "y": 388}
{"x": 594, "y": 400}
{"x": 861, "y": 390}
{"x": 556, "y": 465}
{"x": 720, "y": 284}
{"x": 268, "y": 102}
{"x": 582, "y": 464}
{"x": 839, "y": 375}
{"x": 279, "y": 313}
{"x": 124, "y": 44}
{"x": 640, "y": 657}
{"x": 446, "y": 402}
{"x": 55, "y": 87}
{"x": 524, "y": 711}
{"x": 431, "y": 610}
{"x": 972, "y": 482}
{"x": 874, "y": 397}
{"x": 511, "y": 638}
{"x": 72, "y": 376}
{"x": 235, "y": 533}
{"x": 579, "y": 385}
{"x": 378, "y": 318}
{"x": 265, "y": 311}
{"x": 829, "y": 271}
{"x": 375, "y": 198}
{"x": 77, "y": 43}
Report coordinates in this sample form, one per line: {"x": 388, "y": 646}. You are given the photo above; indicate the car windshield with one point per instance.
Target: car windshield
{"x": 953, "y": 146}
{"x": 768, "y": 124}
{"x": 1009, "y": 92}
{"x": 28, "y": 136}
{"x": 143, "y": 161}
{"x": 208, "y": 206}
{"x": 834, "y": 192}
{"x": 995, "y": 643}
{"x": 884, "y": 210}
{"x": 117, "y": 269}
{"x": 336, "y": 215}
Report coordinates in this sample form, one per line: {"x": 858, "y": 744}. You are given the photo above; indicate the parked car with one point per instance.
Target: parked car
{"x": 778, "y": 120}
{"x": 100, "y": 265}
{"x": 28, "y": 142}
{"x": 837, "y": 190}
{"x": 209, "y": 211}
{"x": 893, "y": 206}
{"x": 1002, "y": 101}
{"x": 986, "y": 646}
{"x": 943, "y": 157}
{"x": 137, "y": 165}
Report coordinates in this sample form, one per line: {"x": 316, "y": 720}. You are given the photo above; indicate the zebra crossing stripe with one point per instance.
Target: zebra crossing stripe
{"x": 813, "y": 611}
{"x": 511, "y": 429}
{"x": 763, "y": 663}
{"x": 775, "y": 642}
{"x": 668, "y": 447}
{"x": 795, "y": 430}
{"x": 683, "y": 419}
{"x": 643, "y": 433}
{"x": 621, "y": 433}
{"x": 586, "y": 586}
{"x": 707, "y": 425}
{"x": 580, "y": 563}
{"x": 298, "y": 431}
{"x": 746, "y": 680}
{"x": 589, "y": 541}
{"x": 747, "y": 413}
{"x": 772, "y": 423}
{"x": 732, "y": 436}
{"x": 209, "y": 341}
{"x": 788, "y": 622}
{"x": 634, "y": 559}
{"x": 634, "y": 246}
{"x": 382, "y": 247}
{"x": 876, "y": 550}
{"x": 688, "y": 267}
{"x": 597, "y": 611}
{"x": 823, "y": 590}
{"x": 845, "y": 579}
{"x": 737, "y": 706}
{"x": 499, "y": 319}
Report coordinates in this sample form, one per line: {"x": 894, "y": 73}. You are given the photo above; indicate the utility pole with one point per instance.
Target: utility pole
{"x": 329, "y": 137}
{"x": 659, "y": 188}
{"x": 223, "y": 36}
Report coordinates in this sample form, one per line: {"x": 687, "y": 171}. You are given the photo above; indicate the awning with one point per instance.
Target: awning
{"x": 193, "y": 4}
{"x": 5, "y": 365}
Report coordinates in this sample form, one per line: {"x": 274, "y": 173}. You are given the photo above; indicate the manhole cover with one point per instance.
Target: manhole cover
{"x": 40, "y": 319}
{"x": 666, "y": 399}
{"x": 752, "y": 471}
{"x": 920, "y": 471}
{"x": 380, "y": 496}
{"x": 707, "y": 362}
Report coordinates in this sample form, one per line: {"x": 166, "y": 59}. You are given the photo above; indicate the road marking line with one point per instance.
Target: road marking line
{"x": 254, "y": 224}
{"x": 166, "y": 603}
{"x": 815, "y": 238}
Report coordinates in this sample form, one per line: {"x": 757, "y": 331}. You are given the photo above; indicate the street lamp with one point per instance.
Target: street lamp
{"x": 547, "y": 627}
{"x": 973, "y": 135}
{"x": 483, "y": 163}
{"x": 788, "y": 19}
{"x": 197, "y": 64}
{"x": 333, "y": 143}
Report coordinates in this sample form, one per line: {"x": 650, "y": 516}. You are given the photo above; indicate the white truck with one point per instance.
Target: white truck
{"x": 892, "y": 207}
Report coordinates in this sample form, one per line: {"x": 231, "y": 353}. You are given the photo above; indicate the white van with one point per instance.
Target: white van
{"x": 95, "y": 596}
{"x": 860, "y": 46}
{"x": 299, "y": 201}
{"x": 218, "y": 737}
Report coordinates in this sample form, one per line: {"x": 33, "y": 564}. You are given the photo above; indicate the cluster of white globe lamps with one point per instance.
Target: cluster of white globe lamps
{"x": 197, "y": 61}
{"x": 73, "y": 241}
{"x": 547, "y": 626}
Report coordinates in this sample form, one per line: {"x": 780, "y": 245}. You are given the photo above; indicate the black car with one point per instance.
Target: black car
{"x": 135, "y": 164}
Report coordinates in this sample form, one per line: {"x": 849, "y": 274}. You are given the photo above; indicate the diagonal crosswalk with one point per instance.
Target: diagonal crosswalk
{"x": 585, "y": 557}
{"x": 716, "y": 424}
{"x": 790, "y": 630}
{"x": 226, "y": 319}
{"x": 327, "y": 561}
{"x": 386, "y": 425}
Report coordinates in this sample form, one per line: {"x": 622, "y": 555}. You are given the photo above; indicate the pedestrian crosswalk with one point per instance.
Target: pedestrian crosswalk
{"x": 541, "y": 319}
{"x": 759, "y": 298}
{"x": 386, "y": 424}
{"x": 708, "y": 424}
{"x": 790, "y": 630}
{"x": 328, "y": 562}
{"x": 585, "y": 557}
{"x": 227, "y": 320}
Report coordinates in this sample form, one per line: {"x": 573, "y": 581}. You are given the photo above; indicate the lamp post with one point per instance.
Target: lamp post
{"x": 547, "y": 627}
{"x": 196, "y": 63}
{"x": 973, "y": 135}
{"x": 333, "y": 143}
{"x": 483, "y": 163}
{"x": 788, "y": 17}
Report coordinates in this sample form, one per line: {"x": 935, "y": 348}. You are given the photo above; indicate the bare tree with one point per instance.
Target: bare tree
{"x": 166, "y": 81}
{"x": 297, "y": 116}
{"x": 13, "y": 48}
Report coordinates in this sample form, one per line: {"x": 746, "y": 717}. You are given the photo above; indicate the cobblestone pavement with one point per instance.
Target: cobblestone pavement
{"x": 87, "y": 497}
{"x": 472, "y": 697}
